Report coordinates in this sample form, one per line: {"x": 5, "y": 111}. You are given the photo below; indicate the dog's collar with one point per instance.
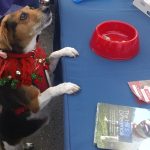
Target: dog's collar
{"x": 24, "y": 55}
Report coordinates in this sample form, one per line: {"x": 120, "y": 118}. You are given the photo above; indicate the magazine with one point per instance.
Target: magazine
{"x": 122, "y": 127}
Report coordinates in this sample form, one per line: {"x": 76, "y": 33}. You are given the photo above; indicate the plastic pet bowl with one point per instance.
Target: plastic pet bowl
{"x": 115, "y": 40}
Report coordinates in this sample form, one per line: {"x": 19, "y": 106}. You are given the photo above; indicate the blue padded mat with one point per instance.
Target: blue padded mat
{"x": 101, "y": 80}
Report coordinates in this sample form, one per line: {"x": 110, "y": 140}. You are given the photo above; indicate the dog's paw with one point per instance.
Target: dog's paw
{"x": 69, "y": 88}
{"x": 69, "y": 52}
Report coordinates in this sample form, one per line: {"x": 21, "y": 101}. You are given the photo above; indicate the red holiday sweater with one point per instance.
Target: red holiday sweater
{"x": 25, "y": 69}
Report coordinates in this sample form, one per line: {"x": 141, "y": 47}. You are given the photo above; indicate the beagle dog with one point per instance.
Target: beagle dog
{"x": 24, "y": 72}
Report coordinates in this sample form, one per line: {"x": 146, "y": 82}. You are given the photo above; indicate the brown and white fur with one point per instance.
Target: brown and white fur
{"x": 18, "y": 34}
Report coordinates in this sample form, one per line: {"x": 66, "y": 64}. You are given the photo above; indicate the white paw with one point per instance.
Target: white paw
{"x": 69, "y": 51}
{"x": 69, "y": 88}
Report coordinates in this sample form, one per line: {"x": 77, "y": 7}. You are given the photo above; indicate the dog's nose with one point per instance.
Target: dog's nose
{"x": 45, "y": 6}
{"x": 46, "y": 10}
{"x": 45, "y": 2}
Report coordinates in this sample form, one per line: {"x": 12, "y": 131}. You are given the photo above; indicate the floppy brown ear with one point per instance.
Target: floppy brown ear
{"x": 4, "y": 35}
{"x": 1, "y": 19}
{"x": 32, "y": 94}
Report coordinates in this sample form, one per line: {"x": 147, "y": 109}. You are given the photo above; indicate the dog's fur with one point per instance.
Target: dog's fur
{"x": 18, "y": 34}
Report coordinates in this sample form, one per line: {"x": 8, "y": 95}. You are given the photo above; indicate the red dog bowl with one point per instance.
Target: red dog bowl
{"x": 115, "y": 40}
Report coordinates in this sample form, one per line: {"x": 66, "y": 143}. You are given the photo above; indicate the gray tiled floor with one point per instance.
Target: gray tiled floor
{"x": 50, "y": 137}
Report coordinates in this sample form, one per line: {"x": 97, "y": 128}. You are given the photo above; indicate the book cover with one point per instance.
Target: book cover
{"x": 122, "y": 127}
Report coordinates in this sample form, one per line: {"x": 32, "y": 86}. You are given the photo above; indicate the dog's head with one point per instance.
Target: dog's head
{"x": 18, "y": 30}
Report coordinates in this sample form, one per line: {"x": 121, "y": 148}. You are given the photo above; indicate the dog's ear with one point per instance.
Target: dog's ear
{"x": 7, "y": 29}
{"x": 1, "y": 19}
{"x": 32, "y": 93}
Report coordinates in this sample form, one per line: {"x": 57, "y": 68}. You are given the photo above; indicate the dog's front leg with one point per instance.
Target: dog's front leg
{"x": 55, "y": 56}
{"x": 63, "y": 88}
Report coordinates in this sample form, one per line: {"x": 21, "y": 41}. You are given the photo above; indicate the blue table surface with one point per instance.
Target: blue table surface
{"x": 101, "y": 80}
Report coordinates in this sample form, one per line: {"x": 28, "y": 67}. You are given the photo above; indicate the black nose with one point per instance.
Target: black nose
{"x": 46, "y": 10}
{"x": 45, "y": 2}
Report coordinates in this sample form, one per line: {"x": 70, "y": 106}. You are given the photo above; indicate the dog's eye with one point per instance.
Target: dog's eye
{"x": 23, "y": 16}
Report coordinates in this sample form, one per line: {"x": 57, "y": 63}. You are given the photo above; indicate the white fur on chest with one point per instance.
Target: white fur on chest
{"x": 31, "y": 46}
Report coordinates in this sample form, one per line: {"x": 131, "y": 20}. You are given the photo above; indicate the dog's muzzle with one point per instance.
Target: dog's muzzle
{"x": 46, "y": 18}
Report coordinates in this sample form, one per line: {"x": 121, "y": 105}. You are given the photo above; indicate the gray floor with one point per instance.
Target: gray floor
{"x": 50, "y": 137}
